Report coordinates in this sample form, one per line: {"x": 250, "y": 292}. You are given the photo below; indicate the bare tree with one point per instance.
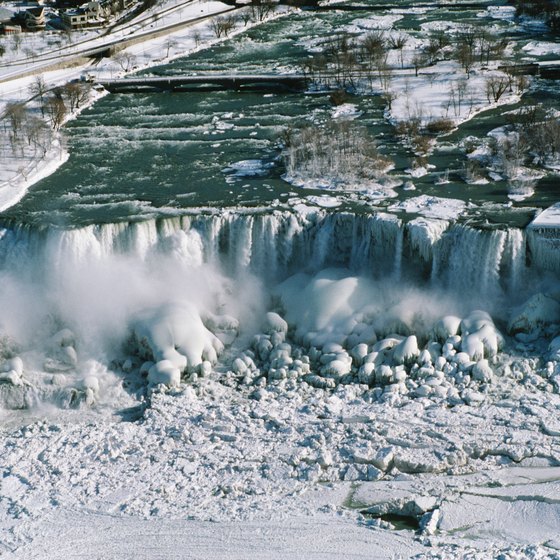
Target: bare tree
{"x": 261, "y": 9}
{"x": 16, "y": 42}
{"x": 315, "y": 69}
{"x": 465, "y": 56}
{"x": 15, "y": 113}
{"x": 68, "y": 35}
{"x": 125, "y": 60}
{"x": 457, "y": 93}
{"x": 38, "y": 133}
{"x": 432, "y": 50}
{"x": 76, "y": 93}
{"x": 246, "y": 17}
{"x": 442, "y": 39}
{"x": 511, "y": 151}
{"x": 496, "y": 86}
{"x": 521, "y": 83}
{"x": 170, "y": 43}
{"x": 222, "y": 26}
{"x": 38, "y": 88}
{"x": 373, "y": 54}
{"x": 418, "y": 61}
{"x": 398, "y": 42}
{"x": 56, "y": 110}
{"x": 29, "y": 52}
{"x": 216, "y": 26}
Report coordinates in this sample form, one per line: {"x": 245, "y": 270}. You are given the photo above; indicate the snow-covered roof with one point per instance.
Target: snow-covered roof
{"x": 5, "y": 15}
{"x": 549, "y": 218}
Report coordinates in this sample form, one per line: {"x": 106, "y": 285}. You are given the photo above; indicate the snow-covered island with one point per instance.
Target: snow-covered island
{"x": 250, "y": 321}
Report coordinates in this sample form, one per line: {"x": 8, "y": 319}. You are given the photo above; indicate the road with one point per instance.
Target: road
{"x": 143, "y": 28}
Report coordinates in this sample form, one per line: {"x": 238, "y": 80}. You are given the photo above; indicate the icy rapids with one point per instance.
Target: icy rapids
{"x": 322, "y": 297}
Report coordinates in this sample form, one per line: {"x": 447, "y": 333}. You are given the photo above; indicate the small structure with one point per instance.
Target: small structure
{"x": 9, "y": 29}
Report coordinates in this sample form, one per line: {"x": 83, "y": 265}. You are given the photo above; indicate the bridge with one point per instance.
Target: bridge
{"x": 244, "y": 82}
{"x": 548, "y": 69}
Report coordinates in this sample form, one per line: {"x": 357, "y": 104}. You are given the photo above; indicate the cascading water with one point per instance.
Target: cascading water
{"x": 273, "y": 245}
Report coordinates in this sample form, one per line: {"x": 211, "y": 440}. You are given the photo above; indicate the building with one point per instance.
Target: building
{"x": 31, "y": 19}
{"x": 9, "y": 29}
{"x": 92, "y": 14}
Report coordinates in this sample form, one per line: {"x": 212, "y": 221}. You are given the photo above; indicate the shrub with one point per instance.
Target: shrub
{"x": 339, "y": 96}
{"x": 440, "y": 126}
{"x": 408, "y": 128}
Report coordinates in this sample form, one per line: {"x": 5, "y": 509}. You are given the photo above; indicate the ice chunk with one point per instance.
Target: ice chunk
{"x": 15, "y": 364}
{"x": 274, "y": 323}
{"x": 12, "y": 377}
{"x": 537, "y": 312}
{"x": 475, "y": 321}
{"x": 447, "y": 326}
{"x": 64, "y": 337}
{"x": 164, "y": 372}
{"x": 407, "y": 351}
{"x": 177, "y": 330}
{"x": 482, "y": 371}
{"x": 473, "y": 346}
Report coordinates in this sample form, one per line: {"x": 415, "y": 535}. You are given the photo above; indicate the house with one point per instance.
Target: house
{"x": 91, "y": 14}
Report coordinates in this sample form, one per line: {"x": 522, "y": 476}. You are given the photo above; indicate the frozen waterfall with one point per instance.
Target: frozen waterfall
{"x": 272, "y": 245}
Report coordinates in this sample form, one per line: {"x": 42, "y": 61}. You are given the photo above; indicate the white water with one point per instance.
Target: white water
{"x": 273, "y": 245}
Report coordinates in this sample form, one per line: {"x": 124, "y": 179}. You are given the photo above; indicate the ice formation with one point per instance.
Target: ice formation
{"x": 368, "y": 299}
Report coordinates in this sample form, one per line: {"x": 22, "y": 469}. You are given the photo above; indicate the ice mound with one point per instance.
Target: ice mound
{"x": 175, "y": 338}
{"x": 323, "y": 308}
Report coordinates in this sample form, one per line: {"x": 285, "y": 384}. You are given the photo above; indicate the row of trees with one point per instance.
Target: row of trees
{"x": 257, "y": 11}
{"x": 346, "y": 58}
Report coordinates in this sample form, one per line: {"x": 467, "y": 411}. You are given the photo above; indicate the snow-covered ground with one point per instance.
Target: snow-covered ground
{"x": 210, "y": 472}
